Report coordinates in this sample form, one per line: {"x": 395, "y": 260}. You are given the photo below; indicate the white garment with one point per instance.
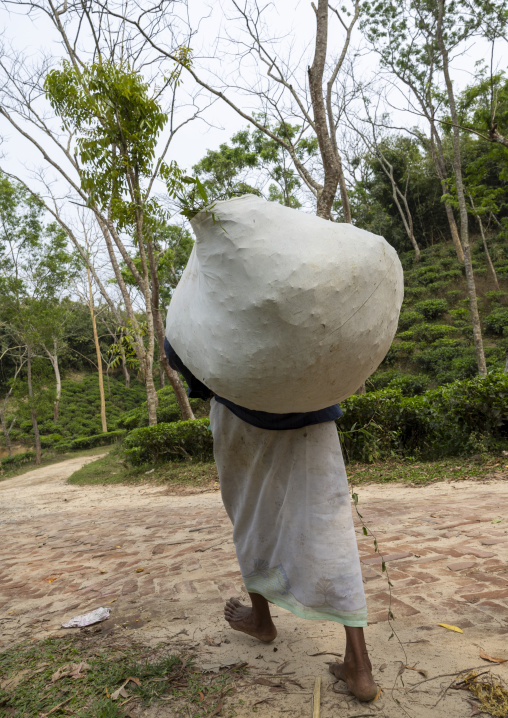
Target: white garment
{"x": 287, "y": 495}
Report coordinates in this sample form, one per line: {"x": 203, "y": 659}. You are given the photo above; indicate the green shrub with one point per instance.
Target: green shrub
{"x": 168, "y": 411}
{"x": 461, "y": 314}
{"x": 88, "y": 442}
{"x": 437, "y": 423}
{"x": 497, "y": 322}
{"x": 426, "y": 275}
{"x": 413, "y": 292}
{"x": 437, "y": 287}
{"x": 432, "y": 308}
{"x": 23, "y": 458}
{"x": 410, "y": 384}
{"x": 399, "y": 350}
{"x": 495, "y": 296}
{"x": 50, "y": 439}
{"x": 429, "y": 332}
{"x": 174, "y": 441}
{"x": 407, "y": 319}
{"x": 454, "y": 295}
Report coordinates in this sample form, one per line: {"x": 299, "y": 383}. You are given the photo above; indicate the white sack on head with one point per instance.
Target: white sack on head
{"x": 282, "y": 311}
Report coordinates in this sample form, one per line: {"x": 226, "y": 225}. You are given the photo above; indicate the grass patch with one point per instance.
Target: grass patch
{"x": 419, "y": 473}
{"x": 51, "y": 457}
{"x": 112, "y": 469}
{"x": 30, "y": 688}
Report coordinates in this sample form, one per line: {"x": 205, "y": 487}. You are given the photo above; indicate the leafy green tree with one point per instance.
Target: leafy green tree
{"x": 35, "y": 267}
{"x": 117, "y": 120}
{"x": 256, "y": 163}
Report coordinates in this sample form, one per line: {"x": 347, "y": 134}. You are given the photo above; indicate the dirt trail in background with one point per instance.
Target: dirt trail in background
{"x": 166, "y": 563}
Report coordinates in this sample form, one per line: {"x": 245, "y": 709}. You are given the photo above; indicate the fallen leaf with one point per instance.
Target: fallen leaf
{"x": 377, "y": 695}
{"x": 77, "y": 671}
{"x": 451, "y": 628}
{"x": 140, "y": 570}
{"x": 134, "y": 680}
{"x": 423, "y": 673}
{"x": 401, "y": 670}
{"x": 210, "y": 642}
{"x": 382, "y": 667}
{"x": 266, "y": 682}
{"x": 218, "y": 709}
{"x": 491, "y": 658}
{"x": 497, "y": 521}
{"x": 324, "y": 653}
{"x": 120, "y": 692}
{"x": 201, "y": 696}
{"x": 53, "y": 710}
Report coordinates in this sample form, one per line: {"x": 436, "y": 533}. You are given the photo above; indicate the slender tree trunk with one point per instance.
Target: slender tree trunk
{"x": 99, "y": 357}
{"x": 53, "y": 358}
{"x": 464, "y": 219}
{"x": 33, "y": 412}
{"x": 162, "y": 375}
{"x": 332, "y": 170}
{"x": 453, "y": 230}
{"x": 3, "y": 423}
{"x": 436, "y": 147}
{"x": 174, "y": 379}
{"x": 125, "y": 371}
{"x": 485, "y": 246}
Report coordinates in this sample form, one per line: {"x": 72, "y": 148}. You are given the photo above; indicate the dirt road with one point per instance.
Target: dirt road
{"x": 165, "y": 564}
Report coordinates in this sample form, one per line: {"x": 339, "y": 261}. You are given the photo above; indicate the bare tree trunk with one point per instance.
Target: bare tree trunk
{"x": 174, "y": 379}
{"x": 99, "y": 356}
{"x": 436, "y": 147}
{"x": 3, "y": 423}
{"x": 485, "y": 246}
{"x": 326, "y": 194}
{"x": 464, "y": 224}
{"x": 33, "y": 412}
{"x": 162, "y": 376}
{"x": 125, "y": 371}
{"x": 53, "y": 358}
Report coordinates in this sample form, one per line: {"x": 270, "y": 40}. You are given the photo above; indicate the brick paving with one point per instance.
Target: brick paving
{"x": 166, "y": 563}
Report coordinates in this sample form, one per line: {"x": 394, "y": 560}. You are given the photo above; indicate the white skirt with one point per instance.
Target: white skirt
{"x": 287, "y": 495}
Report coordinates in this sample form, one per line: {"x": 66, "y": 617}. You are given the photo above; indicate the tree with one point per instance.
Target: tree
{"x": 105, "y": 152}
{"x": 35, "y": 268}
{"x": 254, "y": 157}
{"x": 316, "y": 100}
{"x": 415, "y": 40}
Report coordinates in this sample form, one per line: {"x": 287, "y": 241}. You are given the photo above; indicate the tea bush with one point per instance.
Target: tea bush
{"x": 88, "y": 442}
{"x": 407, "y": 319}
{"x": 174, "y": 441}
{"x": 432, "y": 308}
{"x": 167, "y": 411}
{"x": 436, "y": 423}
{"x": 497, "y": 322}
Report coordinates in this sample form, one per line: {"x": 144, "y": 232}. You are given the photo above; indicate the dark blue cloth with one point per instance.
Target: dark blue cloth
{"x": 261, "y": 419}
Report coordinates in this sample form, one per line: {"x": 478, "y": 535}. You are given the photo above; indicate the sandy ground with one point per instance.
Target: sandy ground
{"x": 185, "y": 602}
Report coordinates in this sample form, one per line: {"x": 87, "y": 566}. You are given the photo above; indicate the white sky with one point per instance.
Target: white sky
{"x": 295, "y": 24}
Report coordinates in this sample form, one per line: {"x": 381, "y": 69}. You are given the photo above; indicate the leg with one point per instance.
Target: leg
{"x": 356, "y": 670}
{"x": 255, "y": 621}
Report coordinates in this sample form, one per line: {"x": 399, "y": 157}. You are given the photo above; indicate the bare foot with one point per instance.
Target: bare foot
{"x": 244, "y": 619}
{"x": 359, "y": 679}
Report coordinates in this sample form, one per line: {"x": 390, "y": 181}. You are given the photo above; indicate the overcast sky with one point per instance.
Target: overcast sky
{"x": 293, "y": 22}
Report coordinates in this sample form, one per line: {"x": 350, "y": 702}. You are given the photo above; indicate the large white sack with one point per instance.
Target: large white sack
{"x": 282, "y": 311}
